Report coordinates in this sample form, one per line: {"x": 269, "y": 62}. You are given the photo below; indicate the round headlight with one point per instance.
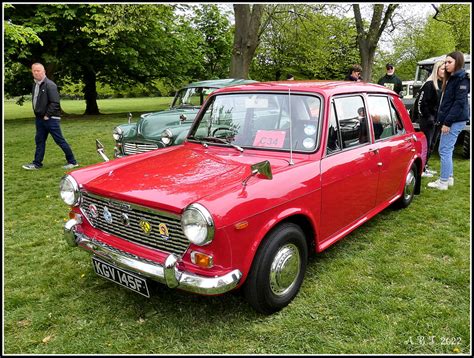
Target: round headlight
{"x": 197, "y": 224}
{"x": 166, "y": 137}
{"x": 69, "y": 191}
{"x": 117, "y": 133}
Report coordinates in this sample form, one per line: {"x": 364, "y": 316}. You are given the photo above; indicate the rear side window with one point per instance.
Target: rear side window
{"x": 350, "y": 116}
{"x": 385, "y": 119}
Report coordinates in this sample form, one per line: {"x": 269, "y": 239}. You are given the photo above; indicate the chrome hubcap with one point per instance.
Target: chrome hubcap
{"x": 409, "y": 185}
{"x": 285, "y": 269}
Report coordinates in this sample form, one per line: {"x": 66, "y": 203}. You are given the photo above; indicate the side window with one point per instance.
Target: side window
{"x": 397, "y": 120}
{"x": 334, "y": 144}
{"x": 352, "y": 121}
{"x": 381, "y": 117}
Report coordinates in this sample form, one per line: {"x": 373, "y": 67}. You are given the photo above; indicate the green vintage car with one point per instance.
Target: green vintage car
{"x": 160, "y": 129}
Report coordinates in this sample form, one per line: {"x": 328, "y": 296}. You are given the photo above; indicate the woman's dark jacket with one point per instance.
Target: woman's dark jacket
{"x": 47, "y": 102}
{"x": 426, "y": 103}
{"x": 454, "y": 106}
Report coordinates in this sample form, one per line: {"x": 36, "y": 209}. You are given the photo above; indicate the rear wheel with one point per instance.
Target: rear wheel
{"x": 278, "y": 269}
{"x": 408, "y": 188}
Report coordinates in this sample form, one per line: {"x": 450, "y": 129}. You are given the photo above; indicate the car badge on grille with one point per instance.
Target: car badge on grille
{"x": 107, "y": 215}
{"x": 145, "y": 226}
{"x": 125, "y": 219}
{"x": 163, "y": 229}
{"x": 93, "y": 212}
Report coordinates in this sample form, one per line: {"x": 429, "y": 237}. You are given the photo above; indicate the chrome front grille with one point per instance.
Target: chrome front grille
{"x": 130, "y": 221}
{"x": 135, "y": 148}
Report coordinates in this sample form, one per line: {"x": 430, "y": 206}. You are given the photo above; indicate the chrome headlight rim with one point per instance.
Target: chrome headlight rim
{"x": 117, "y": 133}
{"x": 70, "y": 195}
{"x": 206, "y": 217}
{"x": 167, "y": 136}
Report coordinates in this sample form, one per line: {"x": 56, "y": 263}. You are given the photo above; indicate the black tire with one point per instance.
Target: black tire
{"x": 277, "y": 270}
{"x": 408, "y": 188}
{"x": 466, "y": 146}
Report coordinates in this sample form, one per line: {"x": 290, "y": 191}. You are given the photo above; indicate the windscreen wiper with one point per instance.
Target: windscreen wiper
{"x": 220, "y": 140}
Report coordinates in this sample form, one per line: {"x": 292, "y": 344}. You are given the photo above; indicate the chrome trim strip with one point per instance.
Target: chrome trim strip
{"x": 167, "y": 274}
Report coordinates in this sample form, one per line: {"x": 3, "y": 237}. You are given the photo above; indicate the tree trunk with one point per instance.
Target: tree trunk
{"x": 90, "y": 92}
{"x": 248, "y": 19}
{"x": 368, "y": 40}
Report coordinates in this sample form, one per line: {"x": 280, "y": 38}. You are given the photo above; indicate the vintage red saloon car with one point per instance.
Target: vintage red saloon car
{"x": 269, "y": 173}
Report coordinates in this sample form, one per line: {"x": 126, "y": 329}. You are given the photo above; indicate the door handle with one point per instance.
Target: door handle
{"x": 374, "y": 150}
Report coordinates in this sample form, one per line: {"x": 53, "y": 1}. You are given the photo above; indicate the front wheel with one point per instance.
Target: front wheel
{"x": 278, "y": 269}
{"x": 408, "y": 189}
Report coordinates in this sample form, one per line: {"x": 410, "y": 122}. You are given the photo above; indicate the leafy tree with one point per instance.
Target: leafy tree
{"x": 368, "y": 38}
{"x": 117, "y": 44}
{"x": 457, "y": 17}
{"x": 215, "y": 41}
{"x": 296, "y": 42}
{"x": 248, "y": 29}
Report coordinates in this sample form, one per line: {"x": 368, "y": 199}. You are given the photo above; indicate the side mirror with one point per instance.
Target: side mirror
{"x": 262, "y": 168}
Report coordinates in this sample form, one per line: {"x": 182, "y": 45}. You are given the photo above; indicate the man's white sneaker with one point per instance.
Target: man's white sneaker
{"x": 70, "y": 166}
{"x": 450, "y": 181}
{"x": 431, "y": 171}
{"x": 30, "y": 166}
{"x": 427, "y": 174}
{"x": 438, "y": 184}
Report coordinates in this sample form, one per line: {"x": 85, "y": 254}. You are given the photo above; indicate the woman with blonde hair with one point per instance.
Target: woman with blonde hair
{"x": 426, "y": 106}
{"x": 453, "y": 113}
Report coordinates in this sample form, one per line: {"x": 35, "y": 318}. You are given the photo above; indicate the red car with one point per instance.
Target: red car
{"x": 269, "y": 174}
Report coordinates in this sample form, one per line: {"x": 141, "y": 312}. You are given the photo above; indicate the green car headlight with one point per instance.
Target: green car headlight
{"x": 117, "y": 133}
{"x": 197, "y": 224}
{"x": 166, "y": 137}
{"x": 69, "y": 190}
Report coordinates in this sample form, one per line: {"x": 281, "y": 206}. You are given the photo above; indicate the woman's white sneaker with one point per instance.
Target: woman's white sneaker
{"x": 438, "y": 184}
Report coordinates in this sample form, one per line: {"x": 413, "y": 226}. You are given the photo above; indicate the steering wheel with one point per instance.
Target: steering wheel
{"x": 220, "y": 129}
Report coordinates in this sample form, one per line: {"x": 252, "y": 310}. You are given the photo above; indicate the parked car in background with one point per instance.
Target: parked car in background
{"x": 423, "y": 71}
{"x": 146, "y": 134}
{"x": 268, "y": 174}
{"x": 407, "y": 91}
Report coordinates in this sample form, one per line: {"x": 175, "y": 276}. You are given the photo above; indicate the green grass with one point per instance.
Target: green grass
{"x": 106, "y": 106}
{"x": 401, "y": 278}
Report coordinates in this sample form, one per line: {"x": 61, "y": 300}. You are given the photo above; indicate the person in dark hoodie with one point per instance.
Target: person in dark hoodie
{"x": 453, "y": 113}
{"x": 426, "y": 108}
{"x": 391, "y": 80}
{"x": 354, "y": 73}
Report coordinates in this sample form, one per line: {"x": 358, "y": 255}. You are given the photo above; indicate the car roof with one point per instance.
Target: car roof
{"x": 220, "y": 83}
{"x": 432, "y": 60}
{"x": 317, "y": 86}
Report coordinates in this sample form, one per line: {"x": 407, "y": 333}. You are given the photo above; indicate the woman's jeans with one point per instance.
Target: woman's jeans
{"x": 446, "y": 149}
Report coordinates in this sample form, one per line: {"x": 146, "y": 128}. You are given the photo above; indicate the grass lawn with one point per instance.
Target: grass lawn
{"x": 400, "y": 284}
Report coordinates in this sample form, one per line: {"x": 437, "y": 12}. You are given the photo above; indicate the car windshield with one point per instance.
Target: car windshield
{"x": 261, "y": 120}
{"x": 191, "y": 96}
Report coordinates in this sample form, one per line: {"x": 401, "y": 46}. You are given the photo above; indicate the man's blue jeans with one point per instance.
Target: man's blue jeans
{"x": 43, "y": 128}
{"x": 446, "y": 149}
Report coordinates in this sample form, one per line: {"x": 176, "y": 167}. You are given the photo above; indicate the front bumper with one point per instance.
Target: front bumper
{"x": 168, "y": 273}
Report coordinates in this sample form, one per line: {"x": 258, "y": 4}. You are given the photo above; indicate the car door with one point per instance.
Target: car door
{"x": 395, "y": 147}
{"x": 349, "y": 169}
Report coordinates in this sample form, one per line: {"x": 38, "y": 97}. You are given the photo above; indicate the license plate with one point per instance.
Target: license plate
{"x": 123, "y": 278}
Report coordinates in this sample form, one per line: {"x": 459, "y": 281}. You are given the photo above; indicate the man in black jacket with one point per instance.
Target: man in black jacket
{"x": 391, "y": 80}
{"x": 48, "y": 114}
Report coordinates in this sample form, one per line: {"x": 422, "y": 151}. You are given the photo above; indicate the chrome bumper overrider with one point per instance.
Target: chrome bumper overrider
{"x": 167, "y": 274}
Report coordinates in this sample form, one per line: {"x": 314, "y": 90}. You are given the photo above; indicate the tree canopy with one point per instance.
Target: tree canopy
{"x": 124, "y": 45}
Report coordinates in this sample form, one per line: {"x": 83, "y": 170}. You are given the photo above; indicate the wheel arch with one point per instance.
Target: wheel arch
{"x": 297, "y": 217}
